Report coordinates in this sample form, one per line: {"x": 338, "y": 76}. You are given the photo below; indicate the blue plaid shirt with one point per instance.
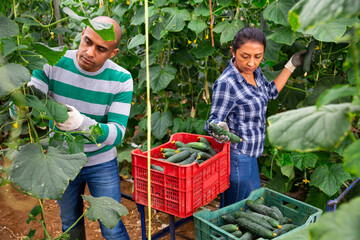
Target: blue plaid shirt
{"x": 243, "y": 107}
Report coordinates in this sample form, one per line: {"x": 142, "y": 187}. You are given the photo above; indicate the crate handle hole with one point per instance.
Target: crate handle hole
{"x": 290, "y": 205}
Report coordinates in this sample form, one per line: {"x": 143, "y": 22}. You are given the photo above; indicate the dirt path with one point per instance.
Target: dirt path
{"x": 14, "y": 208}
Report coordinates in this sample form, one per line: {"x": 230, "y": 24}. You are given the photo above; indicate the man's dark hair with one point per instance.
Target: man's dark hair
{"x": 247, "y": 34}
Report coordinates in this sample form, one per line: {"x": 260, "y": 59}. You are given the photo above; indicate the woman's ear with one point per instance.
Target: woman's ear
{"x": 232, "y": 51}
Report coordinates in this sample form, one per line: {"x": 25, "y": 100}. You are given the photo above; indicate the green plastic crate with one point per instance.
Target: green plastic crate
{"x": 300, "y": 213}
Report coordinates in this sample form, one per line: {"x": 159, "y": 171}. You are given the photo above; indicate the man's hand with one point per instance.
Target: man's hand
{"x": 73, "y": 122}
{"x": 296, "y": 60}
{"x": 221, "y": 138}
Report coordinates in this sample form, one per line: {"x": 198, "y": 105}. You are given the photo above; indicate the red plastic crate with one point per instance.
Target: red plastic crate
{"x": 180, "y": 190}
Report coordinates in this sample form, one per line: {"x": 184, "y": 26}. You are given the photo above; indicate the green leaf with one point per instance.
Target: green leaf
{"x": 159, "y": 78}
{"x": 45, "y": 176}
{"x": 52, "y": 55}
{"x": 197, "y": 26}
{"x": 105, "y": 30}
{"x": 336, "y": 92}
{"x": 331, "y": 31}
{"x": 12, "y": 76}
{"x": 314, "y": 13}
{"x": 226, "y": 2}
{"x": 34, "y": 213}
{"x": 317, "y": 198}
{"x": 288, "y": 171}
{"x": 76, "y": 144}
{"x": 204, "y": 49}
{"x": 230, "y": 31}
{"x": 8, "y": 28}
{"x": 284, "y": 35}
{"x": 303, "y": 129}
{"x": 27, "y": 21}
{"x": 221, "y": 26}
{"x": 304, "y": 160}
{"x": 329, "y": 178}
{"x": 140, "y": 13}
{"x": 259, "y": 3}
{"x": 136, "y": 41}
{"x": 34, "y": 60}
{"x": 279, "y": 183}
{"x": 175, "y": 19}
{"x": 342, "y": 224}
{"x": 202, "y": 10}
{"x": 158, "y": 31}
{"x": 351, "y": 158}
{"x": 9, "y": 46}
{"x": 278, "y": 11}
{"x": 160, "y": 123}
{"x": 137, "y": 109}
{"x": 107, "y": 209}
{"x": 119, "y": 10}
{"x": 299, "y": 234}
{"x": 272, "y": 50}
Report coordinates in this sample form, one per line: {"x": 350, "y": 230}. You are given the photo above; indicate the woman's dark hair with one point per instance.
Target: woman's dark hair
{"x": 247, "y": 34}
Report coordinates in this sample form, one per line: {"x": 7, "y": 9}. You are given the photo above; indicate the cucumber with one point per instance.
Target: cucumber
{"x": 237, "y": 233}
{"x": 284, "y": 229}
{"x": 192, "y": 150}
{"x": 308, "y": 56}
{"x": 211, "y": 150}
{"x": 253, "y": 218}
{"x": 180, "y": 144}
{"x": 168, "y": 154}
{"x": 203, "y": 155}
{"x": 178, "y": 157}
{"x": 255, "y": 228}
{"x": 247, "y": 236}
{"x": 165, "y": 150}
{"x": 228, "y": 218}
{"x": 284, "y": 220}
{"x": 230, "y": 228}
{"x": 260, "y": 200}
{"x": 262, "y": 209}
{"x": 198, "y": 145}
{"x": 157, "y": 168}
{"x": 189, "y": 159}
{"x": 277, "y": 210}
{"x": 220, "y": 131}
{"x": 270, "y": 220}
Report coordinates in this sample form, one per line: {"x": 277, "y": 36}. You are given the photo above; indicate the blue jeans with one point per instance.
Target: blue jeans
{"x": 244, "y": 177}
{"x": 103, "y": 180}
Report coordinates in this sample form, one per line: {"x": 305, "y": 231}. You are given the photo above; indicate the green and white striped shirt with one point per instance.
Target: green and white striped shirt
{"x": 102, "y": 97}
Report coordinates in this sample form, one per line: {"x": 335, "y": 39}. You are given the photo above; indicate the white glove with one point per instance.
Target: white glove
{"x": 222, "y": 138}
{"x": 73, "y": 122}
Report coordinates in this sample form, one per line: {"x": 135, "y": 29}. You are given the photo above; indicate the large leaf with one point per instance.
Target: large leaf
{"x": 136, "y": 41}
{"x": 204, "y": 49}
{"x": 52, "y": 55}
{"x": 28, "y": 21}
{"x": 329, "y": 178}
{"x": 107, "y": 209}
{"x": 230, "y": 31}
{"x": 284, "y": 35}
{"x": 12, "y": 76}
{"x": 158, "y": 31}
{"x": 9, "y": 46}
{"x": 278, "y": 11}
{"x": 105, "y": 30}
{"x": 45, "y": 175}
{"x": 351, "y": 158}
{"x": 272, "y": 50}
{"x": 8, "y": 28}
{"x": 139, "y": 15}
{"x": 312, "y": 13}
{"x": 342, "y": 224}
{"x": 304, "y": 160}
{"x": 300, "y": 234}
{"x": 160, "y": 123}
{"x": 308, "y": 129}
{"x": 317, "y": 198}
{"x": 175, "y": 20}
{"x": 331, "y": 31}
{"x": 34, "y": 60}
{"x": 159, "y": 78}
{"x": 202, "y": 10}
{"x": 336, "y": 92}
{"x": 197, "y": 26}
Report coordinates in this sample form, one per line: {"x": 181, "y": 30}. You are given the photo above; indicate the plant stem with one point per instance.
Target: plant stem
{"x": 294, "y": 88}
{"x": 351, "y": 135}
{"x": 47, "y": 25}
{"x": 42, "y": 221}
{"x": 71, "y": 226}
{"x": 22, "y": 192}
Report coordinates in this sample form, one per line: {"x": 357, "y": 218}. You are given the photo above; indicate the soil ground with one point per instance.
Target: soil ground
{"x": 14, "y": 208}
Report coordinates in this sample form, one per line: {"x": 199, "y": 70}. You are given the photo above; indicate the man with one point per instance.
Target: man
{"x": 95, "y": 90}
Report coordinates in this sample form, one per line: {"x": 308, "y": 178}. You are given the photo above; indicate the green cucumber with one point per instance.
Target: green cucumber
{"x": 255, "y": 228}
{"x": 284, "y": 229}
{"x": 192, "y": 150}
{"x": 270, "y": 220}
{"x": 220, "y": 131}
{"x": 228, "y": 218}
{"x": 253, "y": 218}
{"x": 178, "y": 157}
{"x": 308, "y": 56}
{"x": 180, "y": 144}
{"x": 262, "y": 209}
{"x": 247, "y": 236}
{"x": 168, "y": 154}
{"x": 277, "y": 210}
{"x": 230, "y": 228}
{"x": 284, "y": 220}
{"x": 198, "y": 145}
{"x": 260, "y": 200}
{"x": 203, "y": 155}
{"x": 189, "y": 159}
{"x": 164, "y": 150}
{"x": 211, "y": 150}
{"x": 237, "y": 233}
{"x": 157, "y": 168}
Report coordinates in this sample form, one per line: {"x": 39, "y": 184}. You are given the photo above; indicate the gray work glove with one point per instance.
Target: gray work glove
{"x": 73, "y": 122}
{"x": 221, "y": 138}
{"x": 296, "y": 60}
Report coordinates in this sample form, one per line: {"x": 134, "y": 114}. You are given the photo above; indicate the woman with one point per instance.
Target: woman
{"x": 239, "y": 103}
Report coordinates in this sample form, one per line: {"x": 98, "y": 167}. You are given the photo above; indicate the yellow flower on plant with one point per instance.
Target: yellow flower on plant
{"x": 16, "y": 125}
{"x": 189, "y": 41}
{"x": 207, "y": 36}
{"x": 111, "y": 0}
{"x": 305, "y": 181}
{"x": 127, "y": 2}
{"x": 132, "y": 103}
{"x": 223, "y": 19}
{"x": 195, "y": 41}
{"x": 317, "y": 48}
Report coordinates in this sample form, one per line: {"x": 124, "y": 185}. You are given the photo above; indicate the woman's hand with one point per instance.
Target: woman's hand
{"x": 296, "y": 60}
{"x": 221, "y": 138}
